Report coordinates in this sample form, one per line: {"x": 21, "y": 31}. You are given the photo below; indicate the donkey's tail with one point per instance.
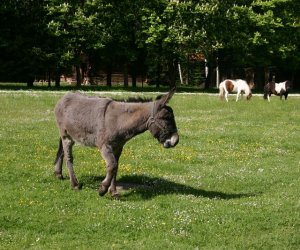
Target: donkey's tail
{"x": 60, "y": 151}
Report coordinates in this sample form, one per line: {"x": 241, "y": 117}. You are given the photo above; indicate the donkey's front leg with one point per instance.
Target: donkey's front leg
{"x": 111, "y": 171}
{"x": 113, "y": 185}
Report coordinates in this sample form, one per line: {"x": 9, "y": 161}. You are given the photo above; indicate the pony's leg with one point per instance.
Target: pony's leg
{"x": 226, "y": 95}
{"x": 237, "y": 96}
{"x": 286, "y": 95}
{"x": 59, "y": 161}
{"x": 282, "y": 93}
{"x": 67, "y": 145}
{"x": 111, "y": 170}
{"x": 221, "y": 93}
{"x": 269, "y": 98}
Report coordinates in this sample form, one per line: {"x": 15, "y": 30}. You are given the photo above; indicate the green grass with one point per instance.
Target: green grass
{"x": 232, "y": 182}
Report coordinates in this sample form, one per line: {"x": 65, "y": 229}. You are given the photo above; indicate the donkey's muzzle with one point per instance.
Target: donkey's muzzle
{"x": 172, "y": 142}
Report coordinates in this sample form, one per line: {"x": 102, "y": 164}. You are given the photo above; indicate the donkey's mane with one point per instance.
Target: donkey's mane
{"x": 134, "y": 99}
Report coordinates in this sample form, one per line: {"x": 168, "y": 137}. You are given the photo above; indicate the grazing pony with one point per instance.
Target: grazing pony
{"x": 238, "y": 86}
{"x": 280, "y": 89}
{"x": 108, "y": 124}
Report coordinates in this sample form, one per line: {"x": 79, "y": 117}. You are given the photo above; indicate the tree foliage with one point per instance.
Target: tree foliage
{"x": 53, "y": 35}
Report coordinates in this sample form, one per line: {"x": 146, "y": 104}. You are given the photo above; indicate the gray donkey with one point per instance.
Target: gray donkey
{"x": 108, "y": 124}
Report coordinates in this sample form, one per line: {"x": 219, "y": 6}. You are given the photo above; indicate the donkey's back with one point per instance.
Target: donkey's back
{"x": 80, "y": 117}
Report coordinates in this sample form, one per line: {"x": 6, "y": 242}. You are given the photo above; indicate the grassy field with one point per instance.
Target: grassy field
{"x": 232, "y": 182}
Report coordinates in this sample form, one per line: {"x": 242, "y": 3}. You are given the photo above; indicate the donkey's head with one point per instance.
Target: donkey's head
{"x": 162, "y": 123}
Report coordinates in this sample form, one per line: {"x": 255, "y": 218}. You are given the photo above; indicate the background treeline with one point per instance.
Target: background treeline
{"x": 149, "y": 39}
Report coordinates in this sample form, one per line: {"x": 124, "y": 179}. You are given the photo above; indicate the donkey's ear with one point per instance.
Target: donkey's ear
{"x": 164, "y": 99}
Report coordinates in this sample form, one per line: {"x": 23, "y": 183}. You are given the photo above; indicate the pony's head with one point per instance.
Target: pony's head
{"x": 251, "y": 85}
{"x": 162, "y": 123}
{"x": 288, "y": 85}
{"x": 248, "y": 91}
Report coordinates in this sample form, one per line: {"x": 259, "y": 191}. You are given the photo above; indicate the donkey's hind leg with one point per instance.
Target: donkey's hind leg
{"x": 67, "y": 146}
{"x": 59, "y": 161}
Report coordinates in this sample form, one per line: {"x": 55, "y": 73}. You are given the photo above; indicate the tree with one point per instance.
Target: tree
{"x": 22, "y": 30}
{"x": 122, "y": 27}
{"x": 48, "y": 37}
{"x": 277, "y": 34}
{"x": 78, "y": 28}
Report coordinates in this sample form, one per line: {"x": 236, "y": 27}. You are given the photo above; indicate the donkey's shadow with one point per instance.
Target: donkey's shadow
{"x": 148, "y": 187}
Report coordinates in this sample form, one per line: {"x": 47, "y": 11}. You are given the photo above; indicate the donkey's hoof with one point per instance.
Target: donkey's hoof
{"x": 114, "y": 193}
{"x": 115, "y": 196}
{"x": 77, "y": 187}
{"x": 102, "y": 190}
{"x": 59, "y": 176}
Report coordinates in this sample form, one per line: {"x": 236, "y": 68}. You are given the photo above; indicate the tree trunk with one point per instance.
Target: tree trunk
{"x": 29, "y": 82}
{"x": 172, "y": 74}
{"x": 108, "y": 77}
{"x": 133, "y": 75}
{"x": 49, "y": 79}
{"x": 260, "y": 78}
{"x": 57, "y": 80}
{"x": 158, "y": 77}
{"x": 180, "y": 74}
{"x": 78, "y": 76}
{"x": 208, "y": 78}
{"x": 125, "y": 74}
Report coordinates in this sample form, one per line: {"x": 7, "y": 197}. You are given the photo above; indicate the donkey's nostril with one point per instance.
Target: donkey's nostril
{"x": 167, "y": 144}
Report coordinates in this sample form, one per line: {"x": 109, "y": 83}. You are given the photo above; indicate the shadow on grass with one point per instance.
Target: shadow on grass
{"x": 148, "y": 187}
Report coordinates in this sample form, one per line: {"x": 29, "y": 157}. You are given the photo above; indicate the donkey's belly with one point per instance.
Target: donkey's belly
{"x": 86, "y": 141}
{"x": 82, "y": 136}
{"x": 82, "y": 131}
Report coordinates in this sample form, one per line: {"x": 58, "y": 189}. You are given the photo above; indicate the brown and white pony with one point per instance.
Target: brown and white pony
{"x": 239, "y": 86}
{"x": 280, "y": 89}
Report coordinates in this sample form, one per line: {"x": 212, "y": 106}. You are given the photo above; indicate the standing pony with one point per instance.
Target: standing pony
{"x": 280, "y": 89}
{"x": 238, "y": 86}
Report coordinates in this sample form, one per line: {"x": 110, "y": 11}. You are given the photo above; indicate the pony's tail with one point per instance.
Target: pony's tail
{"x": 60, "y": 151}
{"x": 266, "y": 89}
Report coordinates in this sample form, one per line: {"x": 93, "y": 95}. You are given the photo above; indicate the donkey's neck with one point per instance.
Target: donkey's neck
{"x": 133, "y": 119}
